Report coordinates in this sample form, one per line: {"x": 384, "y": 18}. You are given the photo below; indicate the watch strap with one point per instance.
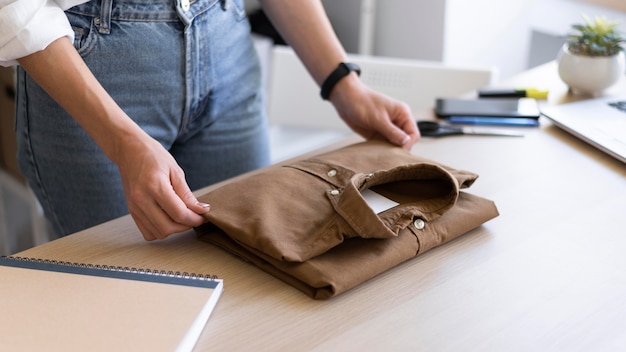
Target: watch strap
{"x": 340, "y": 72}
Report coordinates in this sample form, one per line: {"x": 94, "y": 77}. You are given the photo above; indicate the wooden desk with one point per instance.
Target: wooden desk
{"x": 547, "y": 274}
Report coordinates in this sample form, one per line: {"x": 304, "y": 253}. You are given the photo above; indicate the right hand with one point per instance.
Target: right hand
{"x": 158, "y": 197}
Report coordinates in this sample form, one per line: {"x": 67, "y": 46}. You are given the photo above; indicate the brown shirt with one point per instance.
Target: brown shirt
{"x": 308, "y": 223}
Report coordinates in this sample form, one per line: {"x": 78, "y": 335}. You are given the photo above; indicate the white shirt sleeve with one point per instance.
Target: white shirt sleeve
{"x": 29, "y": 26}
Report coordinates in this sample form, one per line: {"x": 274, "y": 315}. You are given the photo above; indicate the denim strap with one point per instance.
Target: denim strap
{"x": 105, "y": 16}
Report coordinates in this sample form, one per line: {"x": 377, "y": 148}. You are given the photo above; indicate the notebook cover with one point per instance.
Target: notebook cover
{"x": 60, "y": 307}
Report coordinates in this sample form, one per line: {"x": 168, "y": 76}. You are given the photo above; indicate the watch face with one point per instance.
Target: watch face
{"x": 341, "y": 71}
{"x": 352, "y": 67}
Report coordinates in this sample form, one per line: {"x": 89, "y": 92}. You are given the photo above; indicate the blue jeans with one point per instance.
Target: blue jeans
{"x": 190, "y": 79}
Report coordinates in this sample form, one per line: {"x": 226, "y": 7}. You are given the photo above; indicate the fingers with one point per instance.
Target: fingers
{"x": 157, "y": 194}
{"x": 398, "y": 125}
{"x": 165, "y": 207}
{"x": 406, "y": 122}
{"x": 396, "y": 135}
{"x": 184, "y": 193}
{"x": 376, "y": 116}
{"x": 157, "y": 221}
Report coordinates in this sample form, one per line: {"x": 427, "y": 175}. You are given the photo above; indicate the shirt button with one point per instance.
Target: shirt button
{"x": 334, "y": 192}
{"x": 419, "y": 224}
{"x": 332, "y": 173}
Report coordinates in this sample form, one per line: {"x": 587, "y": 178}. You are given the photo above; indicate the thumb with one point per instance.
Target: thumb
{"x": 184, "y": 192}
{"x": 394, "y": 134}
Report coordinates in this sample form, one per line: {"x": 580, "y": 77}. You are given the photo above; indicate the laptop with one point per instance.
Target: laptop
{"x": 599, "y": 121}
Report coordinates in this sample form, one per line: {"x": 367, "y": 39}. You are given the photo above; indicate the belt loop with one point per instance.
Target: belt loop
{"x": 106, "y": 7}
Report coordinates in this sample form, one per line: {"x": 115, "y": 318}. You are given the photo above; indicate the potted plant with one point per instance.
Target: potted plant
{"x": 592, "y": 59}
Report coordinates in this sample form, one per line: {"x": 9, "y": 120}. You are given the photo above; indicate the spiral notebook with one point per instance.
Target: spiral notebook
{"x": 58, "y": 306}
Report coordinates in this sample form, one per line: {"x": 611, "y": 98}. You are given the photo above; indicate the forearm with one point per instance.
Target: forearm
{"x": 305, "y": 26}
{"x": 60, "y": 71}
{"x": 157, "y": 195}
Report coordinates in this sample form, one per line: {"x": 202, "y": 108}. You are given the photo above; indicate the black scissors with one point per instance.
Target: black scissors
{"x": 436, "y": 129}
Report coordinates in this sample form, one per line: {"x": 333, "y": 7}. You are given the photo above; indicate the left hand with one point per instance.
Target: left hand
{"x": 305, "y": 26}
{"x": 372, "y": 114}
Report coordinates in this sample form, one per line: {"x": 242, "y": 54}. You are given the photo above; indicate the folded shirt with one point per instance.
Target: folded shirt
{"x": 309, "y": 223}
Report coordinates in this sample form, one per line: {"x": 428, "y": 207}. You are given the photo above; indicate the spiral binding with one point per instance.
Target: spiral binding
{"x": 167, "y": 273}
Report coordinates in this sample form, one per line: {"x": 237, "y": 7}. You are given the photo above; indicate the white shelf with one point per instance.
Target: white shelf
{"x": 290, "y": 141}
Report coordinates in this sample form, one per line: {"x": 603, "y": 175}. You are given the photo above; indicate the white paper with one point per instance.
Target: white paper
{"x": 377, "y": 202}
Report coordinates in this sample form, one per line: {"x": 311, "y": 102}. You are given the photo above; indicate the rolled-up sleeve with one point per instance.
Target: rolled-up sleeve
{"x": 28, "y": 26}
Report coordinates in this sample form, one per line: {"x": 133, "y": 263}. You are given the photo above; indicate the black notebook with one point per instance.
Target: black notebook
{"x": 59, "y": 306}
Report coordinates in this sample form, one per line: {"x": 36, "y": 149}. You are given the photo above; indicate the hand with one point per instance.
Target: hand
{"x": 158, "y": 197}
{"x": 374, "y": 115}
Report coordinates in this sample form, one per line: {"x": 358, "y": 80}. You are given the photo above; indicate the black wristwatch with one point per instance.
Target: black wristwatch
{"x": 340, "y": 72}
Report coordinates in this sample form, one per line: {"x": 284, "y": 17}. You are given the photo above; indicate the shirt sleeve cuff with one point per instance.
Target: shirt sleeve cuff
{"x": 42, "y": 26}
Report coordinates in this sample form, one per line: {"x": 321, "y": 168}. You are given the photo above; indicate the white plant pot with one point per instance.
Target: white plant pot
{"x": 590, "y": 74}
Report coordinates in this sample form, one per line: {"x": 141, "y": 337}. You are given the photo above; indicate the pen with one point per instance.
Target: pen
{"x": 513, "y": 93}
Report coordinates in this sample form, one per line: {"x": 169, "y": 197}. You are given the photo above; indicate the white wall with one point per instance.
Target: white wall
{"x": 557, "y": 16}
{"x": 488, "y": 33}
{"x": 346, "y": 17}
{"x": 410, "y": 29}
{"x": 397, "y": 28}
{"x": 482, "y": 33}
{"x": 507, "y": 34}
